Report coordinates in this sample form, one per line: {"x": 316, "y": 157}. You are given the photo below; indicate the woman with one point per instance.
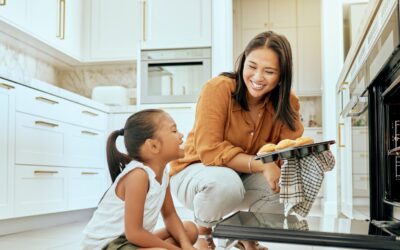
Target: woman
{"x": 236, "y": 114}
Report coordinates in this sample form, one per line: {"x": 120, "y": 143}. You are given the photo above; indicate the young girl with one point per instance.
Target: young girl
{"x": 126, "y": 216}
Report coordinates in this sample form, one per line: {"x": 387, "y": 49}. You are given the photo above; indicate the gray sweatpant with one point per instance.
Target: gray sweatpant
{"x": 214, "y": 192}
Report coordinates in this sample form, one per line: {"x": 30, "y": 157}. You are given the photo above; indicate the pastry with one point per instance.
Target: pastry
{"x": 304, "y": 140}
{"x": 267, "y": 148}
{"x": 286, "y": 143}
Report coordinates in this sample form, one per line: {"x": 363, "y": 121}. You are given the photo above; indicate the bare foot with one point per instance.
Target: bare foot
{"x": 205, "y": 242}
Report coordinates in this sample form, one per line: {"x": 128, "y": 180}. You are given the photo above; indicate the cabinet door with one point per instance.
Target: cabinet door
{"x": 44, "y": 20}
{"x": 114, "y": 30}
{"x": 308, "y": 12}
{"x": 69, "y": 38}
{"x": 315, "y": 133}
{"x": 40, "y": 190}
{"x": 14, "y": 12}
{"x": 86, "y": 187}
{"x": 254, "y": 14}
{"x": 7, "y": 114}
{"x": 282, "y": 13}
{"x": 176, "y": 23}
{"x": 309, "y": 60}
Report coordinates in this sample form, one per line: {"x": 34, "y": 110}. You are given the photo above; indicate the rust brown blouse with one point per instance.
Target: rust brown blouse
{"x": 222, "y": 129}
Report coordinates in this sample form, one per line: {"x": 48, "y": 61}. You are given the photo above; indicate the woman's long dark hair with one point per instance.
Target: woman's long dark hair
{"x": 280, "y": 95}
{"x": 138, "y": 128}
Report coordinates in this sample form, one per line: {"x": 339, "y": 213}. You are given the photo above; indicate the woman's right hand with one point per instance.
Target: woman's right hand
{"x": 272, "y": 173}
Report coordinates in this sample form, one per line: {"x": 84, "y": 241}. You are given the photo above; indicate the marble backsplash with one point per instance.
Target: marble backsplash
{"x": 22, "y": 67}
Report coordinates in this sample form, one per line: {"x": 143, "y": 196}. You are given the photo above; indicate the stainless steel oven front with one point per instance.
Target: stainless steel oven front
{"x": 173, "y": 75}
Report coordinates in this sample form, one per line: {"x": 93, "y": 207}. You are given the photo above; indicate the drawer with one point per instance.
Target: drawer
{"x": 86, "y": 187}
{"x": 42, "y": 104}
{"x": 88, "y": 117}
{"x": 39, "y": 141}
{"x": 360, "y": 162}
{"x": 85, "y": 147}
{"x": 38, "y": 103}
{"x": 360, "y": 185}
{"x": 359, "y": 139}
{"x": 40, "y": 190}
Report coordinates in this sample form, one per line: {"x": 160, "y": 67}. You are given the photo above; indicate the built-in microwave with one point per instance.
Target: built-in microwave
{"x": 173, "y": 75}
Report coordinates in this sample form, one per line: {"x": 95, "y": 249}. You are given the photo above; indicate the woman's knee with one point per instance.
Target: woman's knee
{"x": 191, "y": 230}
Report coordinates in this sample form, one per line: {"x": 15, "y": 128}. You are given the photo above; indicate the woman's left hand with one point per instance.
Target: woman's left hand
{"x": 272, "y": 173}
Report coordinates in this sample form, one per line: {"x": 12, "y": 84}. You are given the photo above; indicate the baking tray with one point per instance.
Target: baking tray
{"x": 295, "y": 152}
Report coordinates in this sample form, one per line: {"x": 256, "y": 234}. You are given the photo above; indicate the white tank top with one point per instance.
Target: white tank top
{"x": 108, "y": 223}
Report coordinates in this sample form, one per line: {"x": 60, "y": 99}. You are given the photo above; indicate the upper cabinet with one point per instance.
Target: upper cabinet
{"x": 14, "y": 12}
{"x": 175, "y": 23}
{"x": 299, "y": 21}
{"x": 113, "y": 33}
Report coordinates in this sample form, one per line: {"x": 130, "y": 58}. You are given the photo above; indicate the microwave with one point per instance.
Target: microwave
{"x": 173, "y": 75}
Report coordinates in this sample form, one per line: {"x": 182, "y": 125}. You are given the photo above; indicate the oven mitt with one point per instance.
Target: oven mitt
{"x": 301, "y": 180}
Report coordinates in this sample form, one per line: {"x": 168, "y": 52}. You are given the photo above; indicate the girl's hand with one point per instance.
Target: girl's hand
{"x": 272, "y": 173}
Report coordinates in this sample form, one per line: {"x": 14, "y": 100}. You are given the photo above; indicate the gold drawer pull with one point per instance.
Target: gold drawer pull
{"x": 363, "y": 155}
{"x": 364, "y": 178}
{"x": 319, "y": 132}
{"x": 3, "y": 2}
{"x": 45, "y": 172}
{"x": 89, "y": 113}
{"x": 46, "y": 100}
{"x": 89, "y": 173}
{"x": 88, "y": 132}
{"x": 61, "y": 20}
{"x": 6, "y": 86}
{"x": 47, "y": 124}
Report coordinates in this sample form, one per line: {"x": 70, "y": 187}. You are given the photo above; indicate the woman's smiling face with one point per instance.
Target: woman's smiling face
{"x": 261, "y": 73}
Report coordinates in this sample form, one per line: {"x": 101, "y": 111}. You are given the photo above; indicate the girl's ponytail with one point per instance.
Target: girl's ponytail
{"x": 115, "y": 159}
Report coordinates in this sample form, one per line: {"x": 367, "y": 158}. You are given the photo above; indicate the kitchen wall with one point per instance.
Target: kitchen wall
{"x": 21, "y": 67}
{"x": 21, "y": 63}
{"x": 82, "y": 80}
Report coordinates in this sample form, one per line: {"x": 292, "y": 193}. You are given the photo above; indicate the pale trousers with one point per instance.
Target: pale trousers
{"x": 213, "y": 192}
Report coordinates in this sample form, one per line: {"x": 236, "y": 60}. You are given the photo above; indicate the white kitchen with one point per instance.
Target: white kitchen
{"x": 72, "y": 71}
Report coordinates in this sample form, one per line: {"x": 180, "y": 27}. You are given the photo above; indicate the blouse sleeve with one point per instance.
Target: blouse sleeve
{"x": 212, "y": 115}
{"x": 286, "y": 132}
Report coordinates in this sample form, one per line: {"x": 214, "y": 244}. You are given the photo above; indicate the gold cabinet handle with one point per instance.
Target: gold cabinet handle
{"x": 3, "y": 2}
{"x": 46, "y": 100}
{"x": 61, "y": 19}
{"x": 171, "y": 85}
{"x": 46, "y": 124}
{"x": 45, "y": 172}
{"x": 340, "y": 135}
{"x": 144, "y": 21}
{"x": 85, "y": 132}
{"x": 89, "y": 113}
{"x": 89, "y": 173}
{"x": 6, "y": 86}
{"x": 319, "y": 132}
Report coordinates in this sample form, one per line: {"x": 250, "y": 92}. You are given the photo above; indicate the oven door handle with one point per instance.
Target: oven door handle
{"x": 350, "y": 109}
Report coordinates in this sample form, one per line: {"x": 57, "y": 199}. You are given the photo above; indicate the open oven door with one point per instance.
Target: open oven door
{"x": 316, "y": 231}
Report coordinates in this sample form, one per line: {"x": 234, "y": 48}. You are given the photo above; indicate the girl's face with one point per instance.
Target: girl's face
{"x": 170, "y": 137}
{"x": 261, "y": 73}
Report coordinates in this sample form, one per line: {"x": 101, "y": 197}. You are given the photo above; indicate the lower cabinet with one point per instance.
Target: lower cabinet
{"x": 93, "y": 181}
{"x": 40, "y": 190}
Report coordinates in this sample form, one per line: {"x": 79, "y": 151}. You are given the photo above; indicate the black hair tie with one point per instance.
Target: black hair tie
{"x": 121, "y": 132}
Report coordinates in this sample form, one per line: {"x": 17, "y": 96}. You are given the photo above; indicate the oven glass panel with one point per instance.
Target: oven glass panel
{"x": 393, "y": 169}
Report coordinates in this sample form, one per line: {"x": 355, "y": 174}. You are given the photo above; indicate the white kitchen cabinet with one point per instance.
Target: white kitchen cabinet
{"x": 14, "y": 12}
{"x": 94, "y": 182}
{"x": 309, "y": 61}
{"x": 59, "y": 25}
{"x": 114, "y": 30}
{"x": 40, "y": 190}
{"x": 175, "y": 23}
{"x": 7, "y": 122}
